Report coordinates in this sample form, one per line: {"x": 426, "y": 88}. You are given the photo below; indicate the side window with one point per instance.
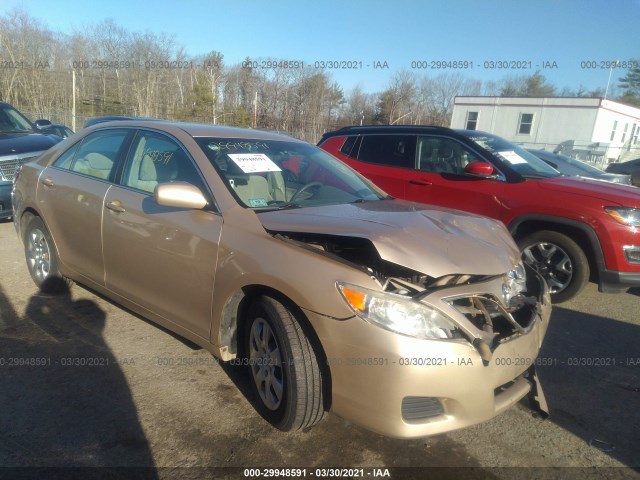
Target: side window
{"x": 64, "y": 160}
{"x": 156, "y": 159}
{"x": 348, "y": 146}
{"x": 97, "y": 154}
{"x": 443, "y": 155}
{"x": 393, "y": 150}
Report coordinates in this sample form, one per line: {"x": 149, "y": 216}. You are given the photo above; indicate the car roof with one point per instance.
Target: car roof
{"x": 198, "y": 129}
{"x": 109, "y": 118}
{"x": 547, "y": 153}
{"x": 364, "y": 129}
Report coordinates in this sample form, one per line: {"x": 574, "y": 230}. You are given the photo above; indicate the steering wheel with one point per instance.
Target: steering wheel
{"x": 304, "y": 188}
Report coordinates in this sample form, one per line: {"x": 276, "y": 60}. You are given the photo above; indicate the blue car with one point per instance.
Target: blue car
{"x": 20, "y": 141}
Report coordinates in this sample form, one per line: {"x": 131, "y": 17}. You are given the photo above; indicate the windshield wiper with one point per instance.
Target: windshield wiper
{"x": 284, "y": 206}
{"x": 16, "y": 130}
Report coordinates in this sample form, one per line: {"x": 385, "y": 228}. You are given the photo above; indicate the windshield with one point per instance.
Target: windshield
{"x": 269, "y": 174}
{"x": 523, "y": 162}
{"x": 578, "y": 164}
{"x": 12, "y": 121}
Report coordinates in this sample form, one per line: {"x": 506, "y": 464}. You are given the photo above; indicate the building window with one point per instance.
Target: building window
{"x": 634, "y": 134}
{"x": 472, "y": 120}
{"x": 526, "y": 122}
{"x": 624, "y": 132}
{"x": 613, "y": 132}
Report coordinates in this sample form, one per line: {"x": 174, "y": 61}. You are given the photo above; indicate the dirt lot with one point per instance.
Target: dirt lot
{"x": 104, "y": 388}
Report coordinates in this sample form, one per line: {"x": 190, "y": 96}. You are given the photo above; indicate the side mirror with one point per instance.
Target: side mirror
{"x": 479, "y": 169}
{"x": 42, "y": 124}
{"x": 179, "y": 195}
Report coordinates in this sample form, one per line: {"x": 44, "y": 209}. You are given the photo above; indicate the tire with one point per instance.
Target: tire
{"x": 560, "y": 260}
{"x": 42, "y": 258}
{"x": 283, "y": 368}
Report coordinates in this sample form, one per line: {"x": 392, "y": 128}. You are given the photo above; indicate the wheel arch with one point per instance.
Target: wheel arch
{"x": 580, "y": 232}
{"x": 234, "y": 314}
{"x": 25, "y": 216}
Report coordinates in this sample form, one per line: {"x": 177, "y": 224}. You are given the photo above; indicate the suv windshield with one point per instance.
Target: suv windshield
{"x": 279, "y": 174}
{"x": 12, "y": 121}
{"x": 523, "y": 162}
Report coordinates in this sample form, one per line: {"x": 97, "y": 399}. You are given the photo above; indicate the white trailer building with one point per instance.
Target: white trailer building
{"x": 593, "y": 129}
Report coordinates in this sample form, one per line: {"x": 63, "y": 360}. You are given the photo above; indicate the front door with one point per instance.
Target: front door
{"x": 439, "y": 178}
{"x": 161, "y": 258}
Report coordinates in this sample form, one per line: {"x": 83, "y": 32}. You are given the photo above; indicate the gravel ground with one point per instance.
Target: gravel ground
{"x": 154, "y": 401}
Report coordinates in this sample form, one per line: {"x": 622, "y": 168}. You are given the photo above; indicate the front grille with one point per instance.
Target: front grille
{"x": 421, "y": 408}
{"x": 486, "y": 313}
{"x": 8, "y": 167}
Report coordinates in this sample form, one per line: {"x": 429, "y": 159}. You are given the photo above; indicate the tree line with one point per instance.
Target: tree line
{"x": 108, "y": 70}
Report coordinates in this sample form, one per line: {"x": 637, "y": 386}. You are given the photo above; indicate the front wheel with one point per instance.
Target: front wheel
{"x": 42, "y": 259}
{"x": 283, "y": 367}
{"x": 559, "y": 260}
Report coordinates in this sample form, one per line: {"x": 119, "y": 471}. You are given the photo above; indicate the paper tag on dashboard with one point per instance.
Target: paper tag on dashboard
{"x": 254, "y": 162}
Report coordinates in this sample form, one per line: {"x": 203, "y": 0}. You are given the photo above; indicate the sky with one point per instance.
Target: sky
{"x": 571, "y": 42}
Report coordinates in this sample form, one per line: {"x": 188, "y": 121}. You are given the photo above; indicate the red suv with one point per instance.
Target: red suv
{"x": 569, "y": 229}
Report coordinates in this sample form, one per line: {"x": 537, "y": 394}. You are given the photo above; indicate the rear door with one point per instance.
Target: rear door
{"x": 386, "y": 159}
{"x": 161, "y": 258}
{"x": 70, "y": 197}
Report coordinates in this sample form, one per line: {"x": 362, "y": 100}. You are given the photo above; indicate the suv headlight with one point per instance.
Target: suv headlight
{"x": 397, "y": 313}
{"x": 625, "y": 215}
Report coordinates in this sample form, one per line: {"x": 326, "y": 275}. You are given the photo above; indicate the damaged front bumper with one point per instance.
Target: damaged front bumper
{"x": 406, "y": 387}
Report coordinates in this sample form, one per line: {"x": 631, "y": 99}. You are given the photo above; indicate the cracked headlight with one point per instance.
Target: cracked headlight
{"x": 397, "y": 313}
{"x": 515, "y": 282}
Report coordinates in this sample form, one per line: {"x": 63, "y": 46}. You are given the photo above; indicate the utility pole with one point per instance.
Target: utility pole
{"x": 73, "y": 99}
{"x": 255, "y": 110}
{"x": 615, "y": 64}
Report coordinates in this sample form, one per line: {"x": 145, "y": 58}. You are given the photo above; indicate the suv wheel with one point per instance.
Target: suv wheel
{"x": 284, "y": 370}
{"x": 42, "y": 259}
{"x": 560, "y": 260}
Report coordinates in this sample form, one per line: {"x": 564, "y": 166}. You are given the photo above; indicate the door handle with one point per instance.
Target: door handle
{"x": 424, "y": 183}
{"x": 116, "y": 206}
{"x": 47, "y": 182}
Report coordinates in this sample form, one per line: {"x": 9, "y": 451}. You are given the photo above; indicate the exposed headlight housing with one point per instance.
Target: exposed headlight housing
{"x": 625, "y": 215}
{"x": 397, "y": 313}
{"x": 515, "y": 282}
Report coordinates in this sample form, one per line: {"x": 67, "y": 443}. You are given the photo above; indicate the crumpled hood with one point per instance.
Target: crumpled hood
{"x": 612, "y": 193}
{"x": 17, "y": 143}
{"x": 432, "y": 240}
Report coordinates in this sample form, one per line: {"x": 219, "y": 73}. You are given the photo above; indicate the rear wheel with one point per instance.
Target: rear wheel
{"x": 560, "y": 260}
{"x": 42, "y": 259}
{"x": 283, "y": 367}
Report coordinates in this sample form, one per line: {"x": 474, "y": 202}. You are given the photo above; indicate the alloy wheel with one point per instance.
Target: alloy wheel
{"x": 38, "y": 254}
{"x": 266, "y": 364}
{"x": 552, "y": 262}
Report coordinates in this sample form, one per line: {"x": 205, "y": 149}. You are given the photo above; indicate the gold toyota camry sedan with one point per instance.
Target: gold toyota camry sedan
{"x": 408, "y": 319}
